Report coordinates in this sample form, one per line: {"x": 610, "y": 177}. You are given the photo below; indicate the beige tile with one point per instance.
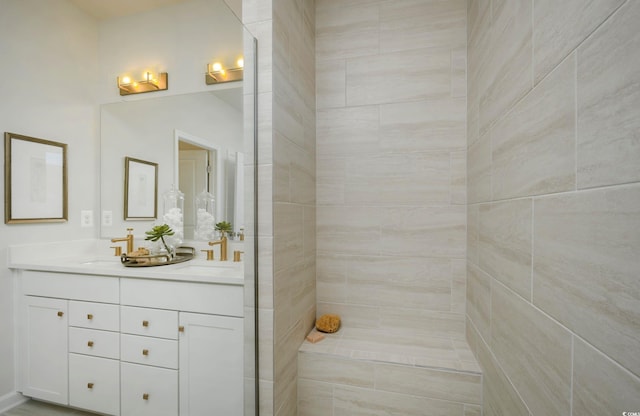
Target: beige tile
{"x": 315, "y": 398}
{"x": 479, "y": 170}
{"x": 470, "y": 410}
{"x": 533, "y": 351}
{"x": 331, "y": 281}
{"x": 424, "y": 323}
{"x": 437, "y": 124}
{"x": 509, "y": 63}
{"x": 428, "y": 231}
{"x": 394, "y": 179}
{"x": 479, "y": 300}
{"x": 399, "y": 76}
{"x": 473, "y": 230}
{"x": 533, "y": 147}
{"x": 287, "y": 240}
{"x": 357, "y": 316}
{"x": 346, "y": 32}
{"x": 586, "y": 266}
{"x": 600, "y": 386}
{"x": 330, "y": 84}
{"x": 608, "y": 99}
{"x": 351, "y": 401}
{"x": 330, "y": 180}
{"x": 458, "y": 285}
{"x": 478, "y": 54}
{"x": 266, "y": 398}
{"x": 348, "y": 229}
{"x": 413, "y": 24}
{"x": 332, "y": 369}
{"x": 309, "y": 231}
{"x": 256, "y": 10}
{"x": 265, "y": 201}
{"x": 328, "y": 4}
{"x": 505, "y": 243}
{"x": 560, "y": 26}
{"x": 458, "y": 178}
{"x": 35, "y": 408}
{"x": 359, "y": 124}
{"x": 424, "y": 382}
{"x": 498, "y": 394}
{"x": 459, "y": 73}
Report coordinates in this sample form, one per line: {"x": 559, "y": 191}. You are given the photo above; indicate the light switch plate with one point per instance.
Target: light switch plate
{"x": 107, "y": 218}
{"x": 86, "y": 218}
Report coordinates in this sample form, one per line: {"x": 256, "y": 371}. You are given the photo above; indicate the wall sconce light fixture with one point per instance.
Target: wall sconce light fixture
{"x": 149, "y": 83}
{"x": 217, "y": 74}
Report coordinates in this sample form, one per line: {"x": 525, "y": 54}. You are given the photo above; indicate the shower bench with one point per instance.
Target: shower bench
{"x": 361, "y": 371}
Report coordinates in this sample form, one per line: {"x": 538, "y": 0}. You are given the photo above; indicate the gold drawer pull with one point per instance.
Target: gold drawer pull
{"x": 145, "y": 352}
{"x": 181, "y": 328}
{"x": 145, "y": 323}
{"x": 60, "y": 313}
{"x": 145, "y": 396}
{"x": 90, "y": 344}
{"x": 89, "y": 385}
{"x": 90, "y": 316}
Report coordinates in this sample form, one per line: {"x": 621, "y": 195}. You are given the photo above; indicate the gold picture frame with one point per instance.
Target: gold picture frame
{"x": 35, "y": 180}
{"x": 140, "y": 189}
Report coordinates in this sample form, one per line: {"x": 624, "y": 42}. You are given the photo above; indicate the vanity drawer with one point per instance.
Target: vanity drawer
{"x": 149, "y": 322}
{"x": 71, "y": 286}
{"x": 149, "y": 351}
{"x": 94, "y": 315}
{"x": 94, "y": 384}
{"x": 148, "y": 391}
{"x": 93, "y": 342}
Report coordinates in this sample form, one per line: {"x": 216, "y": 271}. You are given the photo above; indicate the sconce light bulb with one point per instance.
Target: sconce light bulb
{"x": 217, "y": 67}
{"x": 241, "y": 63}
{"x": 126, "y": 80}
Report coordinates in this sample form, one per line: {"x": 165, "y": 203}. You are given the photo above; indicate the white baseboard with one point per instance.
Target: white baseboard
{"x": 11, "y": 400}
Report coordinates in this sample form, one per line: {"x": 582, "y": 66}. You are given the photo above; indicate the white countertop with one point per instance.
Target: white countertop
{"x": 87, "y": 257}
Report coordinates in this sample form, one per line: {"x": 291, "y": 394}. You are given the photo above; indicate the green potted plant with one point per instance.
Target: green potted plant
{"x": 224, "y": 227}
{"x": 159, "y": 232}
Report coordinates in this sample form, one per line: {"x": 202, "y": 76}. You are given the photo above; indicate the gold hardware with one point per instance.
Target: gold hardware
{"x": 90, "y": 316}
{"x": 90, "y": 344}
{"x": 223, "y": 247}
{"x": 241, "y": 234}
{"x": 145, "y": 396}
{"x": 128, "y": 239}
{"x": 118, "y": 251}
{"x": 236, "y": 255}
{"x": 216, "y": 74}
{"x": 145, "y": 323}
{"x": 148, "y": 84}
{"x": 89, "y": 385}
{"x": 209, "y": 254}
{"x": 60, "y": 313}
{"x": 145, "y": 352}
{"x": 181, "y": 328}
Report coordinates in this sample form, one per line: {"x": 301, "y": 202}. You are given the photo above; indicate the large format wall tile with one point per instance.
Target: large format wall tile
{"x": 505, "y": 243}
{"x": 346, "y": 32}
{"x": 479, "y": 170}
{"x": 330, "y": 83}
{"x": 349, "y": 230}
{"x": 315, "y": 398}
{"x": 533, "y": 350}
{"x": 560, "y": 26}
{"x": 400, "y": 76}
{"x": 359, "y": 124}
{"x": 332, "y": 369}
{"x": 413, "y": 24}
{"x": 479, "y": 300}
{"x": 586, "y": 266}
{"x": 608, "y": 101}
{"x": 600, "y": 385}
{"x": 473, "y": 230}
{"x": 436, "y": 124}
{"x": 533, "y": 147}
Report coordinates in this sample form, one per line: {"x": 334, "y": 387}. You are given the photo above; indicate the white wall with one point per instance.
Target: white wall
{"x": 47, "y": 78}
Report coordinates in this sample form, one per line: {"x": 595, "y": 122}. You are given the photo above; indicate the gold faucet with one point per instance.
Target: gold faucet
{"x": 128, "y": 239}
{"x": 223, "y": 247}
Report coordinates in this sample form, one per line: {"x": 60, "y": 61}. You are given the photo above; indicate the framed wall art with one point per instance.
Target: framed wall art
{"x": 140, "y": 189}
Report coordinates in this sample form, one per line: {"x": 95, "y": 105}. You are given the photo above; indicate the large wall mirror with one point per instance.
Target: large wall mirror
{"x": 201, "y": 137}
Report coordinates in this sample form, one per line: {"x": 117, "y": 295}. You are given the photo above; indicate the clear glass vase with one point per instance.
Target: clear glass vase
{"x": 205, "y": 204}
{"x": 173, "y": 215}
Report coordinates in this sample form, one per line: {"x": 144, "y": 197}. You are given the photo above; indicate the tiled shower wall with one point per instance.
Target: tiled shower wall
{"x": 285, "y": 31}
{"x": 391, "y": 172}
{"x": 553, "y": 295}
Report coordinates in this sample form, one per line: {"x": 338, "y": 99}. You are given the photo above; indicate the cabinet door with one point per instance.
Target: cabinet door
{"x": 44, "y": 353}
{"x": 148, "y": 391}
{"x": 211, "y": 365}
{"x": 94, "y": 384}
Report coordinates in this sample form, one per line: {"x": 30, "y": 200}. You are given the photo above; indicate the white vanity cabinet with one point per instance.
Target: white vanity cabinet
{"x": 44, "y": 349}
{"x": 127, "y": 346}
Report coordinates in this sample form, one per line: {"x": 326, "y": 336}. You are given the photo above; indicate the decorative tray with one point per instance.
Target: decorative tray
{"x": 182, "y": 254}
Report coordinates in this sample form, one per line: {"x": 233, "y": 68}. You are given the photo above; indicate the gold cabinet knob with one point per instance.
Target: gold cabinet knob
{"x": 60, "y": 313}
{"x": 90, "y": 344}
{"x": 145, "y": 323}
{"x": 89, "y": 385}
{"x": 145, "y": 396}
{"x": 145, "y": 352}
{"x": 89, "y": 316}
{"x": 181, "y": 328}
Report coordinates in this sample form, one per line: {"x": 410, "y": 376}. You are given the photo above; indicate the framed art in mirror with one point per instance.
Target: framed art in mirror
{"x": 140, "y": 189}
{"x": 35, "y": 180}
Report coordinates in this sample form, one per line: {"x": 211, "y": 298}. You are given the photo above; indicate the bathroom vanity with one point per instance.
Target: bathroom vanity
{"x": 155, "y": 341}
